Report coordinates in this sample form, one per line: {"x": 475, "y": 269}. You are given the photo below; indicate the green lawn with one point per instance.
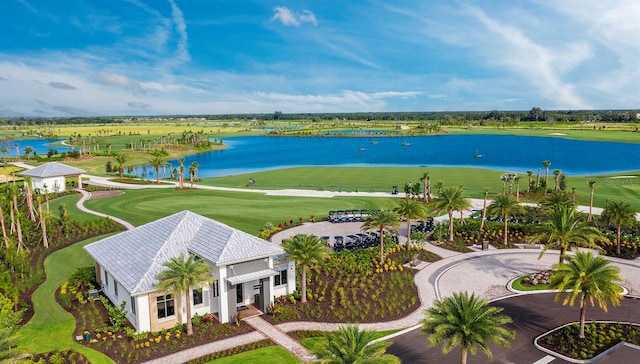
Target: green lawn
{"x": 474, "y": 180}
{"x": 269, "y": 355}
{"x": 51, "y": 328}
{"x": 245, "y": 211}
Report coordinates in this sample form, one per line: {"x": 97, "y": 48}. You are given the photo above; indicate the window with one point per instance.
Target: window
{"x": 115, "y": 287}
{"x": 215, "y": 289}
{"x": 106, "y": 278}
{"x": 166, "y": 306}
{"x": 133, "y": 305}
{"x": 197, "y": 296}
{"x": 281, "y": 278}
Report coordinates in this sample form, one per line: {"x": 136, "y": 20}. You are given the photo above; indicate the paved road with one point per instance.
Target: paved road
{"x": 532, "y": 315}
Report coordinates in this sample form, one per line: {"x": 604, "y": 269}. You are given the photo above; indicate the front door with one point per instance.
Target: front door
{"x": 239, "y": 293}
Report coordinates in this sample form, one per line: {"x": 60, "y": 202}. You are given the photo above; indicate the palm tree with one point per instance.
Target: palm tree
{"x": 180, "y": 274}
{"x": 618, "y": 213}
{"x": 451, "y": 199}
{"x": 120, "y": 160}
{"x": 557, "y": 199}
{"x": 467, "y": 321}
{"x": 410, "y": 209}
{"x": 556, "y": 175}
{"x": 350, "y": 345}
{"x": 505, "y": 206}
{"x": 484, "y": 208}
{"x": 530, "y": 175}
{"x": 546, "y": 165}
{"x": 426, "y": 185}
{"x": 381, "y": 221}
{"x": 156, "y": 163}
{"x": 27, "y": 151}
{"x": 306, "y": 250}
{"x": 180, "y": 172}
{"x": 589, "y": 277}
{"x": 564, "y": 229}
{"x": 516, "y": 179}
{"x": 4, "y": 150}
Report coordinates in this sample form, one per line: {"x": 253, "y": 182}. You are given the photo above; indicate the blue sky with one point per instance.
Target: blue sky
{"x": 151, "y": 57}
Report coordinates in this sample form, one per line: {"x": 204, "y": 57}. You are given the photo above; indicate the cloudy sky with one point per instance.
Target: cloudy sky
{"x": 149, "y": 57}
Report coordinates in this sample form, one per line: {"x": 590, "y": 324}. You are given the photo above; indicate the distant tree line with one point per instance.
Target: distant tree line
{"x": 536, "y": 114}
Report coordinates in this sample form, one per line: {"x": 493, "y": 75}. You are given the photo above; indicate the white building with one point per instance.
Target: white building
{"x": 51, "y": 177}
{"x": 247, "y": 269}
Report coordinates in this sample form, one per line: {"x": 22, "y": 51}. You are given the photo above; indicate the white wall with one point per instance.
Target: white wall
{"x": 38, "y": 183}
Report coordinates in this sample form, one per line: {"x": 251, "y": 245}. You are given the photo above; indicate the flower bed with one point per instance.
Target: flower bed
{"x": 599, "y": 336}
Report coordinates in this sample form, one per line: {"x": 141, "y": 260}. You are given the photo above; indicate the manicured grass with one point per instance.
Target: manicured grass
{"x": 245, "y": 211}
{"x": 268, "y": 355}
{"x": 70, "y": 202}
{"x": 474, "y": 180}
{"x": 517, "y": 285}
{"x": 624, "y": 133}
{"x": 312, "y": 342}
{"x": 51, "y": 328}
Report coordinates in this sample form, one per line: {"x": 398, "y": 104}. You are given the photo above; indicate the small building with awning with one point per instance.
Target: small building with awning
{"x": 52, "y": 176}
{"x": 247, "y": 270}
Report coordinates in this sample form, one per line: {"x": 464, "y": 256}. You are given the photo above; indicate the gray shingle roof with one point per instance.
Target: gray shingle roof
{"x": 135, "y": 257}
{"x": 52, "y": 169}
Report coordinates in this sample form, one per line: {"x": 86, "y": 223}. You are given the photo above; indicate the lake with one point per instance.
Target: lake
{"x": 500, "y": 152}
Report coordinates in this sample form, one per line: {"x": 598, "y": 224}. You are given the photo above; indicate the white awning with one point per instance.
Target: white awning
{"x": 253, "y": 276}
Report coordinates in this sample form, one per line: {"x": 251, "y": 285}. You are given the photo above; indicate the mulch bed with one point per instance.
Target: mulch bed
{"x": 104, "y": 194}
{"x": 123, "y": 349}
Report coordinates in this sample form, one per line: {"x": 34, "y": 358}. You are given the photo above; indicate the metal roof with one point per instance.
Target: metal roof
{"x": 253, "y": 276}
{"x": 135, "y": 257}
{"x": 52, "y": 169}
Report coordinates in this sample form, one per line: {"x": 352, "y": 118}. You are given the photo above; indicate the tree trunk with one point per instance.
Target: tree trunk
{"x": 618, "y": 241}
{"x": 484, "y": 213}
{"x": 188, "y": 304}
{"x": 506, "y": 229}
{"x": 583, "y": 315}
{"x": 43, "y": 225}
{"x": 304, "y": 284}
{"x": 563, "y": 250}
{"x": 450, "y": 225}
{"x": 4, "y": 229}
{"x": 381, "y": 246}
{"x": 408, "y": 233}
{"x": 463, "y": 355}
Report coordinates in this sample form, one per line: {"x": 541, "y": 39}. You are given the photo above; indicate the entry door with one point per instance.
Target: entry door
{"x": 239, "y": 293}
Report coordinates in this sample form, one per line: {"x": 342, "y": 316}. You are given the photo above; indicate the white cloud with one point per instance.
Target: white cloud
{"x": 120, "y": 80}
{"x": 61, "y": 86}
{"x": 138, "y": 105}
{"x": 289, "y": 18}
{"x": 182, "y": 51}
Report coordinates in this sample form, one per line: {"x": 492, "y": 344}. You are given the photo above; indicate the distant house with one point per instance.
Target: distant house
{"x": 247, "y": 270}
{"x": 51, "y": 177}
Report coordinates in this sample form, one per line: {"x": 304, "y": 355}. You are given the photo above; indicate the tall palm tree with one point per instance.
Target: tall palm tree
{"x": 467, "y": 321}
{"x": 451, "y": 199}
{"x": 530, "y": 175}
{"x": 180, "y": 172}
{"x": 306, "y": 250}
{"x": 618, "y": 213}
{"x": 546, "y": 165}
{"x": 484, "y": 208}
{"x": 589, "y": 277}
{"x": 381, "y": 221}
{"x": 350, "y": 345}
{"x": 556, "y": 175}
{"x": 505, "y": 206}
{"x": 426, "y": 185}
{"x": 564, "y": 229}
{"x": 120, "y": 160}
{"x": 410, "y": 209}
{"x": 3, "y": 204}
{"x": 592, "y": 187}
{"x": 156, "y": 163}
{"x": 516, "y": 179}
{"x": 179, "y": 275}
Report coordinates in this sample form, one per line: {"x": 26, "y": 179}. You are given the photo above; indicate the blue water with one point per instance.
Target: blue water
{"x": 501, "y": 152}
{"x": 41, "y": 146}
